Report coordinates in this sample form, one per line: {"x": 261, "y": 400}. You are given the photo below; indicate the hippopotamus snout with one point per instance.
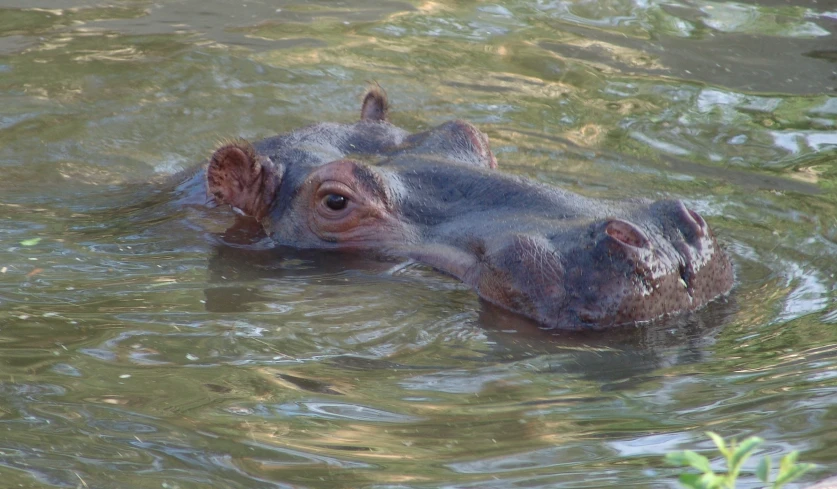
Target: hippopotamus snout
{"x": 594, "y": 267}
{"x": 566, "y": 260}
{"x": 659, "y": 260}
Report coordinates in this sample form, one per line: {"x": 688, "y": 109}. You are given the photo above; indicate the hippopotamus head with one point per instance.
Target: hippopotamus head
{"x": 565, "y": 260}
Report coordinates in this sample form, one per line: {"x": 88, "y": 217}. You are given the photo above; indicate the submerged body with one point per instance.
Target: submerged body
{"x": 567, "y": 261}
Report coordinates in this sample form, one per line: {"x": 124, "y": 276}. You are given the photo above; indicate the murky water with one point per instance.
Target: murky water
{"x": 137, "y": 351}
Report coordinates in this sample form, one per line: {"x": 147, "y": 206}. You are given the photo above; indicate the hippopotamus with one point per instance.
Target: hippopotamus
{"x": 568, "y": 261}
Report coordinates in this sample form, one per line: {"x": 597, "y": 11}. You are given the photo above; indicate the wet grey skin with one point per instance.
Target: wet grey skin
{"x": 567, "y": 261}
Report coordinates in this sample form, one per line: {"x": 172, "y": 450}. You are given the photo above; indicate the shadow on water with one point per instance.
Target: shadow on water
{"x": 243, "y": 265}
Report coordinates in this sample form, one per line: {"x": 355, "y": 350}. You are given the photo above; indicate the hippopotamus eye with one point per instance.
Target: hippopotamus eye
{"x": 336, "y": 202}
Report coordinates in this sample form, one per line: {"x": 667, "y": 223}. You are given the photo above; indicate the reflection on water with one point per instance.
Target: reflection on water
{"x": 147, "y": 343}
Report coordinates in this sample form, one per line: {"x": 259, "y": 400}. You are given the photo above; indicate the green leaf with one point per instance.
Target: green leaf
{"x": 701, "y": 481}
{"x": 763, "y": 469}
{"x": 743, "y": 452}
{"x": 791, "y": 473}
{"x": 787, "y": 462}
{"x": 689, "y": 458}
{"x": 719, "y": 442}
{"x": 710, "y": 480}
{"x": 30, "y": 242}
{"x": 677, "y": 458}
{"x": 691, "y": 481}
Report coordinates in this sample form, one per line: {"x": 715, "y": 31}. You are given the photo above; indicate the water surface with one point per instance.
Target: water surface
{"x": 137, "y": 350}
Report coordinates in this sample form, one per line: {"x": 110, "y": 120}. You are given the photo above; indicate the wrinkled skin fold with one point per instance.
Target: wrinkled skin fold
{"x": 564, "y": 260}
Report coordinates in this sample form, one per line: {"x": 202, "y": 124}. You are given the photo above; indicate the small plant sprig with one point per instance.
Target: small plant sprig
{"x": 736, "y": 454}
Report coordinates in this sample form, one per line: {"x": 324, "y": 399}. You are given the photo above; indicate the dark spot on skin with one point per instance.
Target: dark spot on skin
{"x": 477, "y": 247}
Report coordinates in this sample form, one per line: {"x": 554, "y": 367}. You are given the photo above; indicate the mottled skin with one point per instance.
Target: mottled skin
{"x": 567, "y": 261}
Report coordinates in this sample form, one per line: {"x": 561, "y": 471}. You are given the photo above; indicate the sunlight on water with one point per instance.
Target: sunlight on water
{"x": 139, "y": 350}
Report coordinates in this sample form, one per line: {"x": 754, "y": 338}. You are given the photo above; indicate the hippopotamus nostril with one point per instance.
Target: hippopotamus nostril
{"x": 690, "y": 222}
{"x": 627, "y": 233}
{"x": 698, "y": 220}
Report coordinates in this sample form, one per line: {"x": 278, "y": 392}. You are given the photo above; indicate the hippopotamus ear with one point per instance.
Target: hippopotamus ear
{"x": 237, "y": 175}
{"x": 375, "y": 105}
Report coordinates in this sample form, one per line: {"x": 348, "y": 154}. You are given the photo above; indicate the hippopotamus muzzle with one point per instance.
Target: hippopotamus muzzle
{"x": 564, "y": 260}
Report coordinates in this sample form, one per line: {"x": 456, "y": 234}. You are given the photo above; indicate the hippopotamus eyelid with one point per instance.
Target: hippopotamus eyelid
{"x": 371, "y": 181}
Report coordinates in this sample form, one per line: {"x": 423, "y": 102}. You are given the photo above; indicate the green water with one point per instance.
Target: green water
{"x": 136, "y": 351}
